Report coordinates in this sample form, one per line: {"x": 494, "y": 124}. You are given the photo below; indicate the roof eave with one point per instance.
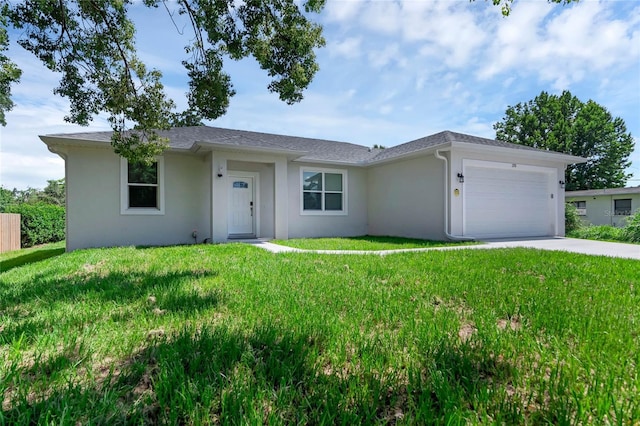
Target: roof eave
{"x": 331, "y": 162}
{"x": 61, "y": 140}
{"x": 200, "y": 146}
{"x": 410, "y": 155}
{"x": 529, "y": 153}
{"x": 53, "y": 141}
{"x": 633, "y": 190}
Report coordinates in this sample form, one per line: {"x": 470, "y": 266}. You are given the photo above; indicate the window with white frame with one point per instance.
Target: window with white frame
{"x": 324, "y": 191}
{"x": 581, "y": 207}
{"x": 142, "y": 189}
{"x": 622, "y": 207}
{"x": 579, "y": 204}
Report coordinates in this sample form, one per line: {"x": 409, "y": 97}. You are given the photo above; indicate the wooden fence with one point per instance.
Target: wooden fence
{"x": 9, "y": 232}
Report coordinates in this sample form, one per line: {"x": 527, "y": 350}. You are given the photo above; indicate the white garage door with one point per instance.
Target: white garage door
{"x": 507, "y": 202}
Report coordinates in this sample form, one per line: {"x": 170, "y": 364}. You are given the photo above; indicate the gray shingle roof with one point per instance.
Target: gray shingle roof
{"x": 442, "y": 138}
{"x": 318, "y": 150}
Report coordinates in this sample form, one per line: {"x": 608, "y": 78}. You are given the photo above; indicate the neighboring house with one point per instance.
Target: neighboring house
{"x": 611, "y": 206}
{"x": 225, "y": 184}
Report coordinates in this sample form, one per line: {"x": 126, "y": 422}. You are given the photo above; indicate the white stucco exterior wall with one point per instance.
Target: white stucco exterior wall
{"x": 354, "y": 223}
{"x": 94, "y": 216}
{"x": 406, "y": 198}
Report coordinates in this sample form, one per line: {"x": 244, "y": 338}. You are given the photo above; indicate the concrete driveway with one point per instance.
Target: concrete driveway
{"x": 599, "y": 248}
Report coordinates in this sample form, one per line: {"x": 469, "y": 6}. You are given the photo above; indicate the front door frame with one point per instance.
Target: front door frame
{"x": 237, "y": 174}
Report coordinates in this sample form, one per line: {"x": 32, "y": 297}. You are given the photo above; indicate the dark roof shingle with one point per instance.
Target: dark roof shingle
{"x": 441, "y": 138}
{"x": 309, "y": 149}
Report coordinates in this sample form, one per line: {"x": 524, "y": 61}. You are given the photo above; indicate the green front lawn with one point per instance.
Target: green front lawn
{"x": 234, "y": 334}
{"x": 364, "y": 243}
{"x": 15, "y": 258}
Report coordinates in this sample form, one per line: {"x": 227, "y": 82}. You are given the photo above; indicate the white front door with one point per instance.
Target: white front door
{"x": 241, "y": 206}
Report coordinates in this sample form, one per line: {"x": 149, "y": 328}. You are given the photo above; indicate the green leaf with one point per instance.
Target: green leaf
{"x": 566, "y": 124}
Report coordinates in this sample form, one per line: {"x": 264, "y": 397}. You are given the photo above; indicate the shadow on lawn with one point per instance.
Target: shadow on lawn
{"x": 269, "y": 375}
{"x": 234, "y": 375}
{"x": 32, "y": 257}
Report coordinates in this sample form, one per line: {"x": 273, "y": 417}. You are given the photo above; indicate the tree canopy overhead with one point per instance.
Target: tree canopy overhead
{"x": 566, "y": 124}
{"x": 91, "y": 43}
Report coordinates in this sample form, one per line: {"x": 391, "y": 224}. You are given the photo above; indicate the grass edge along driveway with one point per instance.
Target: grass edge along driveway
{"x": 366, "y": 243}
{"x": 234, "y": 334}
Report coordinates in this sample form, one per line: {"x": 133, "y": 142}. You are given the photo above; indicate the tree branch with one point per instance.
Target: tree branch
{"x": 111, "y": 31}
{"x": 196, "y": 29}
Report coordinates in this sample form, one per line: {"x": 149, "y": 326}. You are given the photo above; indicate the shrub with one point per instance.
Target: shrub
{"x": 39, "y": 223}
{"x": 631, "y": 231}
{"x": 572, "y": 220}
{"x": 599, "y": 232}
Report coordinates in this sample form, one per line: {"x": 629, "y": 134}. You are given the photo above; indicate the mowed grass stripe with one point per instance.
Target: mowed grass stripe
{"x": 233, "y": 334}
{"x": 365, "y": 243}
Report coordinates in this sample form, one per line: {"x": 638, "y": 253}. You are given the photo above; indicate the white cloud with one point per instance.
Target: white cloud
{"x": 350, "y": 47}
{"x": 444, "y": 29}
{"x": 26, "y": 161}
{"x": 320, "y": 115}
{"x": 390, "y": 53}
{"x": 385, "y": 109}
{"x": 33, "y": 171}
{"x": 512, "y": 37}
{"x": 350, "y": 93}
{"x": 563, "y": 46}
{"x": 342, "y": 10}
{"x": 479, "y": 127}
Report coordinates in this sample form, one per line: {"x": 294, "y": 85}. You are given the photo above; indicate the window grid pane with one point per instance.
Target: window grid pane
{"x": 312, "y": 201}
{"x": 333, "y": 182}
{"x": 312, "y": 181}
{"x": 143, "y": 196}
{"x": 141, "y": 173}
{"x": 333, "y": 201}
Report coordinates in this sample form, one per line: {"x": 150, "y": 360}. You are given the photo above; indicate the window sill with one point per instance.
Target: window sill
{"x": 142, "y": 211}
{"x": 323, "y": 213}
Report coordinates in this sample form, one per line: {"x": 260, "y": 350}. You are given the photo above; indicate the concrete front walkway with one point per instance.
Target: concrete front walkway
{"x": 597, "y": 248}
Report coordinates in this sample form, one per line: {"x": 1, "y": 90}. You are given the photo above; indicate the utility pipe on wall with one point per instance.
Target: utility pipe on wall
{"x": 446, "y": 201}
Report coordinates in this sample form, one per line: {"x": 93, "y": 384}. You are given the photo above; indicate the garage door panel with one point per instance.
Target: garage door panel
{"x": 502, "y": 202}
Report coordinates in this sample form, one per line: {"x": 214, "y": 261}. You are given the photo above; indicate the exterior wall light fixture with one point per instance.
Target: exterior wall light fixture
{"x": 460, "y": 178}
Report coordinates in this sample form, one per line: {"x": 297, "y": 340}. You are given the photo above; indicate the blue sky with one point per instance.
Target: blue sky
{"x": 392, "y": 71}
